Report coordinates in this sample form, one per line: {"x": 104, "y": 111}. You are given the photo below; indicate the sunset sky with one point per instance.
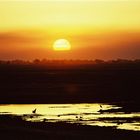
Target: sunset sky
{"x": 103, "y": 29}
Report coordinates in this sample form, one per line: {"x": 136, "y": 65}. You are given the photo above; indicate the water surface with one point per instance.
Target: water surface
{"x": 86, "y": 114}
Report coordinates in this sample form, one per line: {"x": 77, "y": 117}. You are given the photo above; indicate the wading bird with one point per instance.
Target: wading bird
{"x": 34, "y": 111}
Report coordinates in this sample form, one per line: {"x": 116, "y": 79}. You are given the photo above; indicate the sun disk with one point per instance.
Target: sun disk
{"x": 61, "y": 45}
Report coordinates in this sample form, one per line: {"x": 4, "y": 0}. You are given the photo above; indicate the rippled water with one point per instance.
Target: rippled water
{"x": 88, "y": 114}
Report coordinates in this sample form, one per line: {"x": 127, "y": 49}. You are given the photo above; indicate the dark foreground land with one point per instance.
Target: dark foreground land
{"x": 13, "y": 127}
{"x": 69, "y": 81}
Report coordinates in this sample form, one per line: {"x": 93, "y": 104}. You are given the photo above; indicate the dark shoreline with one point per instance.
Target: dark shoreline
{"x": 16, "y": 128}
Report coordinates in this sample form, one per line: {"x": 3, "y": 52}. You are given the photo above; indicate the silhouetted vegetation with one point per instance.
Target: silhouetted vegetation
{"x": 69, "y": 81}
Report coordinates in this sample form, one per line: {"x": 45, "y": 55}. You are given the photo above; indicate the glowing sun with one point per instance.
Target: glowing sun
{"x": 61, "y": 45}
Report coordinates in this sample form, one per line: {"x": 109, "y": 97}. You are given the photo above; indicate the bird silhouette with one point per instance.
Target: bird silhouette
{"x": 34, "y": 111}
{"x": 44, "y": 120}
{"x": 101, "y": 109}
{"x": 79, "y": 117}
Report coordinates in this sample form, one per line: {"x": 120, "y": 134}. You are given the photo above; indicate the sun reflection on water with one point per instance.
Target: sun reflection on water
{"x": 88, "y": 114}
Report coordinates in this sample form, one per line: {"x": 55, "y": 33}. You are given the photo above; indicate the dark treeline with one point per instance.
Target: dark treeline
{"x": 69, "y": 81}
{"x": 68, "y": 62}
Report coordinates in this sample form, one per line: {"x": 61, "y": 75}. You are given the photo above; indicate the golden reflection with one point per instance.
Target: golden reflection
{"x": 72, "y": 112}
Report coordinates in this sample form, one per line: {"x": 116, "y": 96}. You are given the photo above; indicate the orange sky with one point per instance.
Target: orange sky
{"x": 103, "y": 29}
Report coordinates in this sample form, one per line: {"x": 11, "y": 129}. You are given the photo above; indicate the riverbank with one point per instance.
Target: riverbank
{"x": 14, "y": 127}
